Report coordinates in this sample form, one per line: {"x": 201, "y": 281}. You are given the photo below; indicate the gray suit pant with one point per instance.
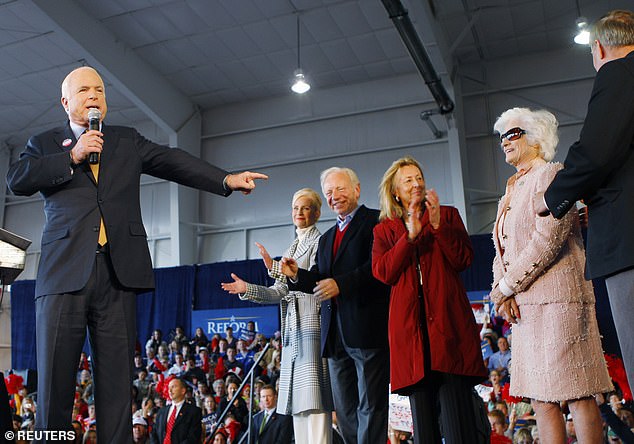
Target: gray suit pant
{"x": 621, "y": 294}
{"x": 360, "y": 378}
{"x": 108, "y": 313}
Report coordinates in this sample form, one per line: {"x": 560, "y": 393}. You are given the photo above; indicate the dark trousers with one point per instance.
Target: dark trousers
{"x": 360, "y": 378}
{"x": 442, "y": 399}
{"x": 108, "y": 312}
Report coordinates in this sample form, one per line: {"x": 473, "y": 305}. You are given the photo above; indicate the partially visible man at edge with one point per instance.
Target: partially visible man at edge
{"x": 599, "y": 169}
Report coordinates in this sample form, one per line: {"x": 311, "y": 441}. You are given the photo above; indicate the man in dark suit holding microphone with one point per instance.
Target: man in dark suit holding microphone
{"x": 94, "y": 255}
{"x": 599, "y": 169}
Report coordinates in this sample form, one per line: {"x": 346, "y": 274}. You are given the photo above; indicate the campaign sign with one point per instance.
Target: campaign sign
{"x": 266, "y": 318}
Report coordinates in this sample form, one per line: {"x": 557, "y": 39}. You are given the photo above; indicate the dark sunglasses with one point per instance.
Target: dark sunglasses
{"x": 512, "y": 134}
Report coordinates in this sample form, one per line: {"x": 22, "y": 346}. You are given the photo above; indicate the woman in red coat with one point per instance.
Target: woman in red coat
{"x": 435, "y": 358}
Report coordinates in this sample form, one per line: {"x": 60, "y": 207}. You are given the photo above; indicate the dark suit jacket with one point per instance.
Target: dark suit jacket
{"x": 362, "y": 304}
{"x": 187, "y": 428}
{"x": 599, "y": 168}
{"x": 73, "y": 201}
{"x": 277, "y": 430}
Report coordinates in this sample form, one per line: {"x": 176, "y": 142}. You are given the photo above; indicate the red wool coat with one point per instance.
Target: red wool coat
{"x": 453, "y": 334}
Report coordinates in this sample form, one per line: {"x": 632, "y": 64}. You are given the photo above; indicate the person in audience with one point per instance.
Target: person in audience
{"x": 220, "y": 437}
{"x": 192, "y": 373}
{"x": 186, "y": 351}
{"x": 199, "y": 339}
{"x": 181, "y": 420}
{"x": 78, "y": 428}
{"x": 420, "y": 247}
{"x": 138, "y": 365}
{"x": 173, "y": 348}
{"x": 496, "y": 384}
{"x": 354, "y": 309}
{"x": 571, "y": 434}
{"x": 155, "y": 341}
{"x": 210, "y": 414}
{"x": 219, "y": 389}
{"x": 304, "y": 379}
{"x": 178, "y": 368}
{"x": 231, "y": 362}
{"x": 239, "y": 408}
{"x": 501, "y": 359}
{"x": 539, "y": 286}
{"x": 139, "y": 430}
{"x": 142, "y": 384}
{"x": 248, "y": 334}
{"x": 90, "y": 437}
{"x": 91, "y": 419}
{"x": 231, "y": 340}
{"x": 523, "y": 436}
{"x": 203, "y": 360}
{"x": 243, "y": 355}
{"x": 498, "y": 428}
{"x": 269, "y": 426}
{"x": 179, "y": 335}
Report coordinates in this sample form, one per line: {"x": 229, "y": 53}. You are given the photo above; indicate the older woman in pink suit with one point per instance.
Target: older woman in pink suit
{"x": 538, "y": 286}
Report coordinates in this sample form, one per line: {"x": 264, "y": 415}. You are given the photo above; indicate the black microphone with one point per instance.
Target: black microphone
{"x": 94, "y": 117}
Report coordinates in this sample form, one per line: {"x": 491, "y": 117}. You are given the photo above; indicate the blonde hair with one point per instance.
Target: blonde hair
{"x": 311, "y": 194}
{"x": 540, "y": 127}
{"x": 390, "y": 207}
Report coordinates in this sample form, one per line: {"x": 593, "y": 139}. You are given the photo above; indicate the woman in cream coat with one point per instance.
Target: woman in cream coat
{"x": 304, "y": 380}
{"x": 538, "y": 286}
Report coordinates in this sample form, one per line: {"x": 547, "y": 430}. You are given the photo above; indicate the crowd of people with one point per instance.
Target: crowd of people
{"x": 374, "y": 304}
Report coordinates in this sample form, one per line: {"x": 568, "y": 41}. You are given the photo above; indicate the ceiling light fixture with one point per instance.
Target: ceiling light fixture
{"x": 300, "y": 82}
{"x": 583, "y": 35}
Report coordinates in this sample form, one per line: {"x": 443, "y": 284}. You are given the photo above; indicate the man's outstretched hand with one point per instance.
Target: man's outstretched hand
{"x": 244, "y": 181}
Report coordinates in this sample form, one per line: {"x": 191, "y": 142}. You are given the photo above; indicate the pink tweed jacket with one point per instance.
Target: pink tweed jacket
{"x": 541, "y": 258}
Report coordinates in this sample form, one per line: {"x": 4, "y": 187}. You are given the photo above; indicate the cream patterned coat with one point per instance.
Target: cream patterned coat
{"x": 304, "y": 377}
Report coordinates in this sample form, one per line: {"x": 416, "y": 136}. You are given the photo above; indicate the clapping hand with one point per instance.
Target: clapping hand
{"x": 266, "y": 257}
{"x": 432, "y": 203}
{"x": 289, "y": 267}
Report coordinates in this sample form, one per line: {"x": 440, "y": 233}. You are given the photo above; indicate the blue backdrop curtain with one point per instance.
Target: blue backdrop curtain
{"x": 168, "y": 306}
{"x": 181, "y": 289}
{"x": 23, "y": 325}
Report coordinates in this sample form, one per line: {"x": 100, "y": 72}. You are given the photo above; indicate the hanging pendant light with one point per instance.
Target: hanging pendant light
{"x": 583, "y": 35}
{"x": 300, "y": 82}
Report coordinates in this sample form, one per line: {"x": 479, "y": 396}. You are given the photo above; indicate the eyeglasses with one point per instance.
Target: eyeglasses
{"x": 512, "y": 134}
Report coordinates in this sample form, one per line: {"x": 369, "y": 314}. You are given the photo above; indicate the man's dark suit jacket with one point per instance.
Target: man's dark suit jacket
{"x": 363, "y": 301}
{"x": 599, "y": 168}
{"x": 277, "y": 430}
{"x": 187, "y": 428}
{"x": 73, "y": 201}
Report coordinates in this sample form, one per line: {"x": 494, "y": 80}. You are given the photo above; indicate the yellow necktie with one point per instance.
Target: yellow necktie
{"x": 103, "y": 239}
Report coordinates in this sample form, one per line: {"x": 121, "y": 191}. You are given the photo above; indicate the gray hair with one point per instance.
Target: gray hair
{"x": 616, "y": 28}
{"x": 351, "y": 174}
{"x": 540, "y": 127}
